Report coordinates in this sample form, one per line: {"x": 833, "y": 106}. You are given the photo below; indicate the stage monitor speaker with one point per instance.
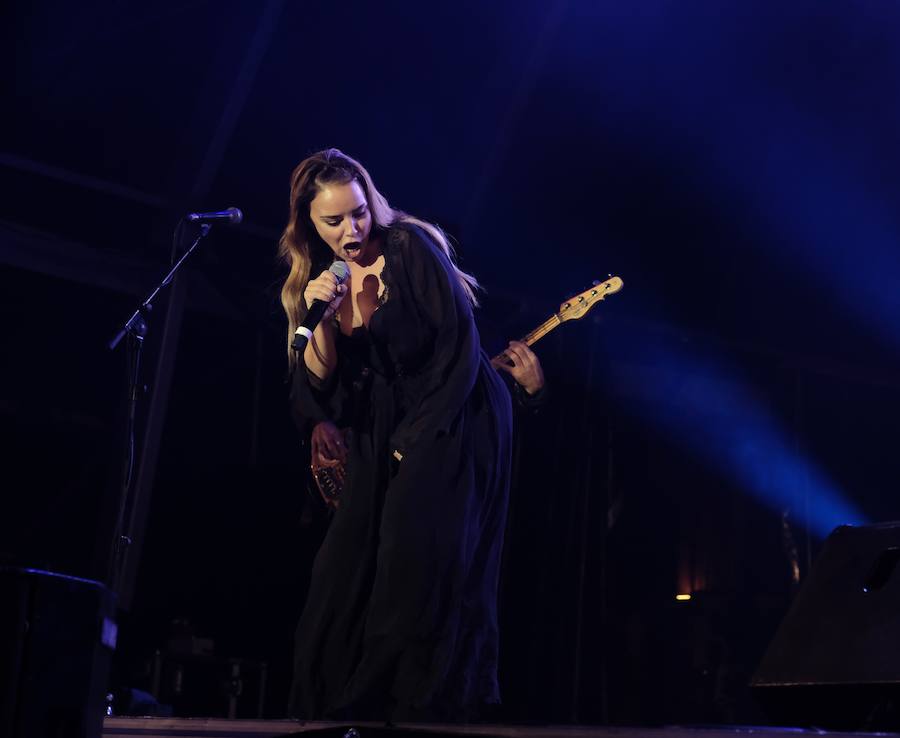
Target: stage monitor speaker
{"x": 57, "y": 634}
{"x": 835, "y": 660}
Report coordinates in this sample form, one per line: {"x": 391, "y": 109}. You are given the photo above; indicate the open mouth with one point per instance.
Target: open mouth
{"x": 353, "y": 249}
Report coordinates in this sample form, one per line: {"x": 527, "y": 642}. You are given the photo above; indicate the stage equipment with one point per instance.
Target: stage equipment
{"x": 231, "y": 216}
{"x": 135, "y": 330}
{"x": 57, "y": 635}
{"x": 835, "y": 660}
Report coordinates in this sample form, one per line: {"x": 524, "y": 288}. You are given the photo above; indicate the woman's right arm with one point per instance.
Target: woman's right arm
{"x": 316, "y": 401}
{"x": 320, "y": 355}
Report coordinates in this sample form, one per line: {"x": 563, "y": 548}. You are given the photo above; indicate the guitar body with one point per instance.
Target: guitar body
{"x": 329, "y": 478}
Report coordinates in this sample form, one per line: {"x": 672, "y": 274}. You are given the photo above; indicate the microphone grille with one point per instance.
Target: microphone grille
{"x": 340, "y": 270}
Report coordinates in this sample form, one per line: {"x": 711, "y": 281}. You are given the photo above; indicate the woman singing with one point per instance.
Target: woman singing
{"x": 400, "y": 621}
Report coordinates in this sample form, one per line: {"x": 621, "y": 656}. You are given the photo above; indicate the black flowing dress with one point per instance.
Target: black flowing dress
{"x": 400, "y": 621}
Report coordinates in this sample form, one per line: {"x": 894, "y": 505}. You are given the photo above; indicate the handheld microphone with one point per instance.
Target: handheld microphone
{"x": 304, "y": 332}
{"x": 232, "y": 216}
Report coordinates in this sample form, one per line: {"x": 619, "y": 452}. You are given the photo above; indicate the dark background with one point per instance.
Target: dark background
{"x": 735, "y": 163}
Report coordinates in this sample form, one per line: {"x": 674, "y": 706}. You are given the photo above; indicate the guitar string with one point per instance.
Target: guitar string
{"x": 542, "y": 330}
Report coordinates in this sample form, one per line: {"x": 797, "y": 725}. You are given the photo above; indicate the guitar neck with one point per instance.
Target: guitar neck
{"x": 529, "y": 339}
{"x": 572, "y": 309}
{"x": 542, "y": 330}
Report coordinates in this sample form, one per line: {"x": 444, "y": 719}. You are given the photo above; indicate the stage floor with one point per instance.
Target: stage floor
{"x": 129, "y": 727}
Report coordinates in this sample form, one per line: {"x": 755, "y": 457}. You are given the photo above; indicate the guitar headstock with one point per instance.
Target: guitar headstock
{"x": 577, "y": 307}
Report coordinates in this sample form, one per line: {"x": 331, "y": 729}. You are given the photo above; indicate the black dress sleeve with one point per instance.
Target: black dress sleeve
{"x": 439, "y": 342}
{"x": 313, "y": 401}
{"x": 528, "y": 403}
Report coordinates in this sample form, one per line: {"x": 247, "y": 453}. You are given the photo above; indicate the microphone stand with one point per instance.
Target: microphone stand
{"x": 135, "y": 329}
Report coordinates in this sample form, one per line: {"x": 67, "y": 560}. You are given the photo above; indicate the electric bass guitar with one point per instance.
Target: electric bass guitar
{"x": 329, "y": 477}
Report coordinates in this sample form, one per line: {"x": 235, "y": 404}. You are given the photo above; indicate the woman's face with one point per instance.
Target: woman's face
{"x": 342, "y": 219}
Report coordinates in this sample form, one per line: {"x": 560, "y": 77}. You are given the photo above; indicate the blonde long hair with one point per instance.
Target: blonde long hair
{"x": 303, "y": 250}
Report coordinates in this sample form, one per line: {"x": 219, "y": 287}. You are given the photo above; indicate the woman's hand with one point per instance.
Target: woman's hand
{"x": 325, "y": 287}
{"x": 327, "y": 444}
{"x": 523, "y": 366}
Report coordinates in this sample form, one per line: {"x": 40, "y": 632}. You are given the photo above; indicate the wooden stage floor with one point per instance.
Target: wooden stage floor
{"x": 129, "y": 727}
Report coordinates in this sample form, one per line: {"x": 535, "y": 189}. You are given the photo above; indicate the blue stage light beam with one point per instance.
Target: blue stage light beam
{"x": 718, "y": 420}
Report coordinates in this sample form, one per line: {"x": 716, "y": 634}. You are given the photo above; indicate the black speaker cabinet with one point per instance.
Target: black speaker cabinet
{"x": 835, "y": 660}
{"x": 57, "y": 634}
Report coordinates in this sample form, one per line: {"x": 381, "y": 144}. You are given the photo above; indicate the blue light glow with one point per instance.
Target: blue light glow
{"x": 719, "y": 421}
